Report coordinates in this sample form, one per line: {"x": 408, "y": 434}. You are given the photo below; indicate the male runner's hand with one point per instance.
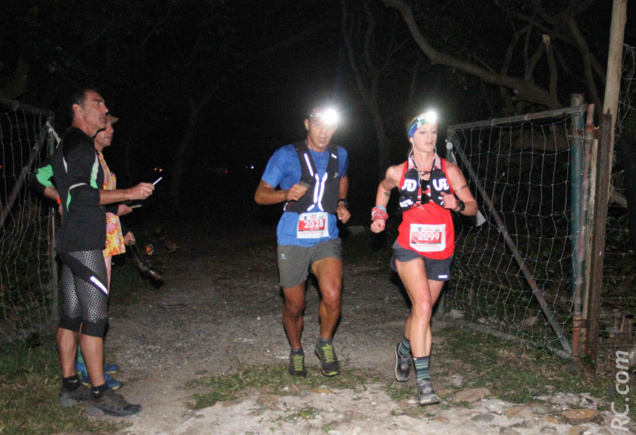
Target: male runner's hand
{"x": 343, "y": 213}
{"x": 296, "y": 192}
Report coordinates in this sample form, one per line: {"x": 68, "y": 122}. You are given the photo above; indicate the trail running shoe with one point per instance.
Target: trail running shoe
{"x": 111, "y": 368}
{"x": 329, "y": 365}
{"x": 402, "y": 366}
{"x": 112, "y": 383}
{"x": 108, "y": 368}
{"x": 111, "y": 404}
{"x": 426, "y": 394}
{"x": 297, "y": 365}
{"x": 67, "y": 397}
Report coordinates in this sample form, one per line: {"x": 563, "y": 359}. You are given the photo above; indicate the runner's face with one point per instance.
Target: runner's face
{"x": 319, "y": 132}
{"x": 425, "y": 138}
{"x": 93, "y": 112}
{"x": 105, "y": 137}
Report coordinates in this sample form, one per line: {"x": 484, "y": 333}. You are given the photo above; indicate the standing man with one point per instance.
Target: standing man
{"x": 312, "y": 176}
{"x": 81, "y": 240}
{"x": 117, "y": 236}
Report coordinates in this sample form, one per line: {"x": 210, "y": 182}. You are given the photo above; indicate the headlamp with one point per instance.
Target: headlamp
{"x": 429, "y": 117}
{"x": 329, "y": 116}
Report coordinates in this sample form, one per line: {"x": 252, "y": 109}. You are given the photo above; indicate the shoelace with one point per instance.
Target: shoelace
{"x": 327, "y": 351}
{"x": 297, "y": 361}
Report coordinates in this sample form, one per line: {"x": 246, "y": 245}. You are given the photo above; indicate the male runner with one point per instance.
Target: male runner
{"x": 312, "y": 176}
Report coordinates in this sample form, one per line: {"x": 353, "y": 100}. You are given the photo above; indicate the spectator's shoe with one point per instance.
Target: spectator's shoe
{"x": 297, "y": 365}
{"x": 402, "y": 366}
{"x": 111, "y": 368}
{"x": 425, "y": 393}
{"x": 67, "y": 397}
{"x": 329, "y": 365}
{"x": 111, "y": 404}
{"x": 112, "y": 383}
{"x": 108, "y": 368}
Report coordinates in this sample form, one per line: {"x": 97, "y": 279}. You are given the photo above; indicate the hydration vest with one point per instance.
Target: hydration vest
{"x": 423, "y": 212}
{"x": 322, "y": 192}
{"x": 411, "y": 192}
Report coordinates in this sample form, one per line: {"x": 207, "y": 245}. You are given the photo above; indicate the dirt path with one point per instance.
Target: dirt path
{"x": 220, "y": 307}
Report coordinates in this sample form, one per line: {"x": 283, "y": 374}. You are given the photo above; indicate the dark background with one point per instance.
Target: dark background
{"x": 201, "y": 87}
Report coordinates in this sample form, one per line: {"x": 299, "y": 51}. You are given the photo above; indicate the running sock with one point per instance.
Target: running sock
{"x": 297, "y": 351}
{"x": 99, "y": 391}
{"x": 404, "y": 348}
{"x": 71, "y": 383}
{"x": 421, "y": 368}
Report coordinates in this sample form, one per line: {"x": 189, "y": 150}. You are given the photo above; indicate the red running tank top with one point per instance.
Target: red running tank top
{"x": 427, "y": 228}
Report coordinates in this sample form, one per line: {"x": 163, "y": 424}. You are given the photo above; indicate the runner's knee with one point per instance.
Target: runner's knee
{"x": 331, "y": 294}
{"x": 95, "y": 328}
{"x": 70, "y": 323}
{"x": 422, "y": 309}
{"x": 295, "y": 308}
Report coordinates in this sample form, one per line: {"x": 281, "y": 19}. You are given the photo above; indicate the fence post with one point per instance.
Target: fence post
{"x": 576, "y": 181}
{"x": 55, "y": 302}
{"x": 601, "y": 204}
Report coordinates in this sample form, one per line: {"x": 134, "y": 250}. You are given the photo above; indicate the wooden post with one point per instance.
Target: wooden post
{"x": 601, "y": 204}
{"x": 615, "y": 62}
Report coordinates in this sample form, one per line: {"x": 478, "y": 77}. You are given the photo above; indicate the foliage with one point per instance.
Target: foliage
{"x": 518, "y": 371}
{"x": 269, "y": 379}
{"x": 30, "y": 382}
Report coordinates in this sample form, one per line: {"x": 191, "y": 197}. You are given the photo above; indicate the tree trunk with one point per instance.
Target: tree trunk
{"x": 184, "y": 151}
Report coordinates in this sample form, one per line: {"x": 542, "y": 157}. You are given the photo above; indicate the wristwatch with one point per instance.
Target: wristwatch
{"x": 345, "y": 201}
{"x": 461, "y": 205}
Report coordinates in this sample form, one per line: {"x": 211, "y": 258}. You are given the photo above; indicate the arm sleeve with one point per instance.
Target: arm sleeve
{"x": 83, "y": 166}
{"x": 41, "y": 179}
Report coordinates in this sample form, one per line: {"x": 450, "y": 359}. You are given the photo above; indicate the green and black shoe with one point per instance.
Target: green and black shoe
{"x": 297, "y": 364}
{"x": 329, "y": 365}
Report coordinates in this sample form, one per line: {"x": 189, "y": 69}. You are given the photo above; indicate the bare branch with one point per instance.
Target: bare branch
{"x": 524, "y": 90}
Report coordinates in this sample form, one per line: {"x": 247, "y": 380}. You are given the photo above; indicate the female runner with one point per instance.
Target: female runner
{"x": 430, "y": 188}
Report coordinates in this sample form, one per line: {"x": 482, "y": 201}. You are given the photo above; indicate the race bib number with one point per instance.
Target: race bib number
{"x": 312, "y": 225}
{"x": 428, "y": 238}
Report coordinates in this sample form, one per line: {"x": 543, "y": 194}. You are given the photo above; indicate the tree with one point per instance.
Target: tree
{"x": 370, "y": 56}
{"x": 536, "y": 34}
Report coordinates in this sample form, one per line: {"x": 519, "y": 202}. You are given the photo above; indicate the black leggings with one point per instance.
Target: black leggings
{"x": 85, "y": 289}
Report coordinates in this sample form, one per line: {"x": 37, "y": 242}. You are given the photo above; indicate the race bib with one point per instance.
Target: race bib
{"x": 312, "y": 225}
{"x": 428, "y": 238}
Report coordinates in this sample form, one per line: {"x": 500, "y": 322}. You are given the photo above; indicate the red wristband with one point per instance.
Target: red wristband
{"x": 59, "y": 200}
{"x": 378, "y": 213}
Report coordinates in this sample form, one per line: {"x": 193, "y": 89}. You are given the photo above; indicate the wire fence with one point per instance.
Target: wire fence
{"x": 28, "y": 284}
{"x": 513, "y": 273}
{"x": 525, "y": 272}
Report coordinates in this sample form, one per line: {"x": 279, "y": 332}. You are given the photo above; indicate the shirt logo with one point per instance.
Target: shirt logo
{"x": 410, "y": 185}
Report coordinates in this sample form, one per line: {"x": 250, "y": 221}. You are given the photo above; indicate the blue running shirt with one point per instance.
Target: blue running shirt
{"x": 283, "y": 169}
